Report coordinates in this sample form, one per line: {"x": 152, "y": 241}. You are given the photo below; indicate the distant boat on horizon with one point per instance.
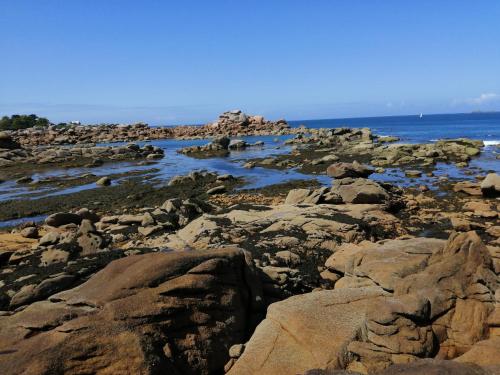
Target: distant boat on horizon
{"x": 421, "y": 115}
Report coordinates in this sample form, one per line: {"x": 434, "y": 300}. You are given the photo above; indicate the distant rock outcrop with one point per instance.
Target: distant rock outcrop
{"x": 232, "y": 123}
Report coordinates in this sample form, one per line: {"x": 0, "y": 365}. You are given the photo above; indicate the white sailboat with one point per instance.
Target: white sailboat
{"x": 421, "y": 115}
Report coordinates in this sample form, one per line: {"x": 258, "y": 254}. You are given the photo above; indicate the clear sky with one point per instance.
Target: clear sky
{"x": 186, "y": 61}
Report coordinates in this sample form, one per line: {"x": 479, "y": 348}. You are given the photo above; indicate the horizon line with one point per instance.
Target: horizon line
{"x": 406, "y": 115}
{"x": 290, "y": 120}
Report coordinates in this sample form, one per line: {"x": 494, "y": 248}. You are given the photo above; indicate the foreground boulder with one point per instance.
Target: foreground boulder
{"x": 176, "y": 313}
{"x": 307, "y": 331}
{"x": 435, "y": 300}
{"x": 484, "y": 353}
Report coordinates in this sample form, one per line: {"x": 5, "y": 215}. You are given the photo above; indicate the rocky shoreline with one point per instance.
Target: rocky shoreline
{"x": 231, "y": 123}
{"x": 205, "y": 277}
{"x": 324, "y": 146}
{"x": 87, "y": 155}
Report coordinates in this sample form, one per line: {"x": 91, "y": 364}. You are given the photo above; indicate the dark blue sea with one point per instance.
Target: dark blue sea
{"x": 411, "y": 129}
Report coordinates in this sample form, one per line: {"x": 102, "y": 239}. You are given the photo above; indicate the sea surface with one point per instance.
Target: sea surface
{"x": 416, "y": 129}
{"x": 410, "y": 129}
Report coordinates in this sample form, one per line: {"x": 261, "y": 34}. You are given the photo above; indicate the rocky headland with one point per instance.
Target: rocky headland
{"x": 203, "y": 276}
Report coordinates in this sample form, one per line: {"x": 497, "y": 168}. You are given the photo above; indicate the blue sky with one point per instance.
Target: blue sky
{"x": 186, "y": 61}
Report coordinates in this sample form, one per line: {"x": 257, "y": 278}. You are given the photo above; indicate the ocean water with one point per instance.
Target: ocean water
{"x": 411, "y": 129}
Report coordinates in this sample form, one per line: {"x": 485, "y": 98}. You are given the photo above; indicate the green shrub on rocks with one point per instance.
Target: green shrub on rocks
{"x": 16, "y": 122}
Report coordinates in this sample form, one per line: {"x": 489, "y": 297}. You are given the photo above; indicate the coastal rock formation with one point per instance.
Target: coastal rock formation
{"x": 171, "y": 313}
{"x": 453, "y": 150}
{"x": 333, "y": 137}
{"x": 467, "y": 187}
{"x": 430, "y": 299}
{"x": 232, "y": 123}
{"x": 329, "y": 222}
{"x": 309, "y": 196}
{"x": 175, "y": 279}
{"x": 63, "y": 218}
{"x": 76, "y": 245}
{"x": 362, "y": 145}
{"x": 290, "y": 243}
{"x": 236, "y": 122}
{"x": 84, "y": 134}
{"x": 153, "y": 222}
{"x": 88, "y": 155}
